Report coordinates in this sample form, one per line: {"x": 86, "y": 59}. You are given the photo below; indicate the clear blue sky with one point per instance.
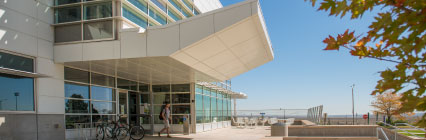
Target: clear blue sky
{"x": 302, "y": 75}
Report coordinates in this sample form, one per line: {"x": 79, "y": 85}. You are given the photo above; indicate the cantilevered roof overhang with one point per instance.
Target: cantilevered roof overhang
{"x": 213, "y": 46}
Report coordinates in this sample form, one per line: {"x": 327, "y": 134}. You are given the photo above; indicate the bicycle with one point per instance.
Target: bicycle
{"x": 137, "y": 132}
{"x": 112, "y": 130}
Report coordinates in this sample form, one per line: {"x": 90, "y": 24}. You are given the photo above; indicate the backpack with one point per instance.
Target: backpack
{"x": 161, "y": 114}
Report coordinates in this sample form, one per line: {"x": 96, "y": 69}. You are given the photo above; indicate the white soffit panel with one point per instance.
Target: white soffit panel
{"x": 207, "y": 5}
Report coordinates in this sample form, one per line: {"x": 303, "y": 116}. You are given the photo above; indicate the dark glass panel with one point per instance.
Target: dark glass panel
{"x": 181, "y": 98}
{"x": 68, "y": 14}
{"x": 179, "y": 119}
{"x": 98, "y": 30}
{"x": 161, "y": 88}
{"x": 16, "y": 93}
{"x": 181, "y": 88}
{"x": 126, "y": 84}
{"x": 67, "y": 33}
{"x": 133, "y": 103}
{"x": 98, "y": 10}
{"x": 180, "y": 109}
{"x": 143, "y": 87}
{"x": 103, "y": 107}
{"x": 76, "y": 75}
{"x": 102, "y": 93}
{"x": 103, "y": 80}
{"x": 16, "y": 62}
{"x": 76, "y": 91}
{"x": 60, "y": 2}
{"x": 99, "y": 119}
{"x": 145, "y": 98}
{"x": 76, "y": 106}
{"x": 70, "y": 121}
{"x": 161, "y": 98}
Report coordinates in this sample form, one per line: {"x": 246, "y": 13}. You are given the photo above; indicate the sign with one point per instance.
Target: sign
{"x": 365, "y": 116}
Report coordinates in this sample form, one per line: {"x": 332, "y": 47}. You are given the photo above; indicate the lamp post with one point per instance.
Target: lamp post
{"x": 16, "y": 102}
{"x": 353, "y": 108}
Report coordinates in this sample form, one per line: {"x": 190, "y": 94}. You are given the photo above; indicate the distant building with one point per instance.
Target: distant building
{"x": 68, "y": 63}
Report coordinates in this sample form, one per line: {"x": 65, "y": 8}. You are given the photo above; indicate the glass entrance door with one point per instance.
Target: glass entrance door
{"x": 123, "y": 107}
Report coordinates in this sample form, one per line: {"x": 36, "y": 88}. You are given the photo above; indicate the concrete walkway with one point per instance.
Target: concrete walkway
{"x": 258, "y": 133}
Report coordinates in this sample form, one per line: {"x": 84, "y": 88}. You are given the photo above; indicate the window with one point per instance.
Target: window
{"x": 98, "y": 10}
{"x": 16, "y": 62}
{"x": 102, "y": 93}
{"x": 68, "y": 14}
{"x": 199, "y": 108}
{"x": 157, "y": 16}
{"x": 98, "y": 30}
{"x": 16, "y": 93}
{"x": 207, "y": 116}
{"x": 68, "y": 33}
{"x": 76, "y": 106}
{"x": 161, "y": 98}
{"x": 141, "y": 5}
{"x": 180, "y": 109}
{"x": 103, "y": 80}
{"x": 181, "y": 88}
{"x": 134, "y": 17}
{"x": 174, "y": 15}
{"x": 60, "y": 2}
{"x": 70, "y": 120}
{"x": 103, "y": 107}
{"x": 78, "y": 91}
{"x": 126, "y": 84}
{"x": 181, "y": 98}
{"x": 161, "y": 88}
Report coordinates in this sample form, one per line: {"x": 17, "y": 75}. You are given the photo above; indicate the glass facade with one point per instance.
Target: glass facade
{"x": 83, "y": 20}
{"x": 78, "y": 20}
{"x": 211, "y": 105}
{"x": 16, "y": 92}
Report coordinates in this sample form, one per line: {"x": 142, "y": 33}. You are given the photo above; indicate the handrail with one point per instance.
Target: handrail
{"x": 383, "y": 133}
{"x": 396, "y": 128}
{"x": 412, "y": 126}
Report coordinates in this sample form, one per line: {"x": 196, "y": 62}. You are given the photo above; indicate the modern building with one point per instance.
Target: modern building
{"x": 66, "y": 65}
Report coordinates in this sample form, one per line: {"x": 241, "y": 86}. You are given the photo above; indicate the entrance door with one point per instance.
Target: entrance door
{"x": 123, "y": 107}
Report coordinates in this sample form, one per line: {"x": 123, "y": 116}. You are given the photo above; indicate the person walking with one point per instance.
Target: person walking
{"x": 165, "y": 116}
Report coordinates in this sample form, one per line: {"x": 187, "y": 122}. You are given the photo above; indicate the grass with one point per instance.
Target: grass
{"x": 415, "y": 132}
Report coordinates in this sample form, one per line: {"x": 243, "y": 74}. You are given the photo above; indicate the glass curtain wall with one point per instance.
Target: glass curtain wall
{"x": 78, "y": 20}
{"x": 90, "y": 98}
{"x": 211, "y": 105}
{"x": 177, "y": 95}
{"x": 16, "y": 92}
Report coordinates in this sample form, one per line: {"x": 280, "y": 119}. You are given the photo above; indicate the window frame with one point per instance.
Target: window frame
{"x": 35, "y": 97}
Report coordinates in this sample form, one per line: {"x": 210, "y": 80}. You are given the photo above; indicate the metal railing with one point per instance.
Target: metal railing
{"x": 379, "y": 129}
{"x": 396, "y": 129}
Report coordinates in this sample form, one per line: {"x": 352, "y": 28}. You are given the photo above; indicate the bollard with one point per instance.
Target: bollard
{"x": 286, "y": 129}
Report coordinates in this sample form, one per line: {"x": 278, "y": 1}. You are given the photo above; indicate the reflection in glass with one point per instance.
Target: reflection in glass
{"x": 67, "y": 33}
{"x": 135, "y": 18}
{"x": 143, "y": 87}
{"x": 157, "y": 16}
{"x": 181, "y": 88}
{"x": 76, "y": 91}
{"x": 157, "y": 109}
{"x": 161, "y": 88}
{"x": 207, "y": 115}
{"x": 126, "y": 84}
{"x": 214, "y": 110}
{"x": 68, "y": 14}
{"x": 98, "y": 30}
{"x": 16, "y": 62}
{"x": 179, "y": 119}
{"x": 180, "y": 109}
{"x": 102, "y": 93}
{"x": 199, "y": 108}
{"x": 16, "y": 93}
{"x": 198, "y": 89}
{"x": 60, "y": 2}
{"x": 76, "y": 106}
{"x": 141, "y": 5}
{"x": 144, "y": 98}
{"x": 70, "y": 121}
{"x": 98, "y": 10}
{"x": 76, "y": 75}
{"x": 98, "y": 119}
{"x": 103, "y": 80}
{"x": 181, "y": 98}
{"x": 103, "y": 107}
{"x": 161, "y": 98}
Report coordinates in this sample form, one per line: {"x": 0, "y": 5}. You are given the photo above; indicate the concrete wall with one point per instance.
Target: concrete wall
{"x": 391, "y": 135}
{"x": 25, "y": 29}
{"x": 333, "y": 130}
{"x": 31, "y": 127}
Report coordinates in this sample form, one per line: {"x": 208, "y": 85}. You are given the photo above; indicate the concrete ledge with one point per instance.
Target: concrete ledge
{"x": 330, "y": 138}
{"x": 333, "y": 130}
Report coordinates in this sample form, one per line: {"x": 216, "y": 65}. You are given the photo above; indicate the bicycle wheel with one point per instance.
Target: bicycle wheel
{"x": 121, "y": 133}
{"x": 109, "y": 131}
{"x": 100, "y": 135}
{"x": 137, "y": 133}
